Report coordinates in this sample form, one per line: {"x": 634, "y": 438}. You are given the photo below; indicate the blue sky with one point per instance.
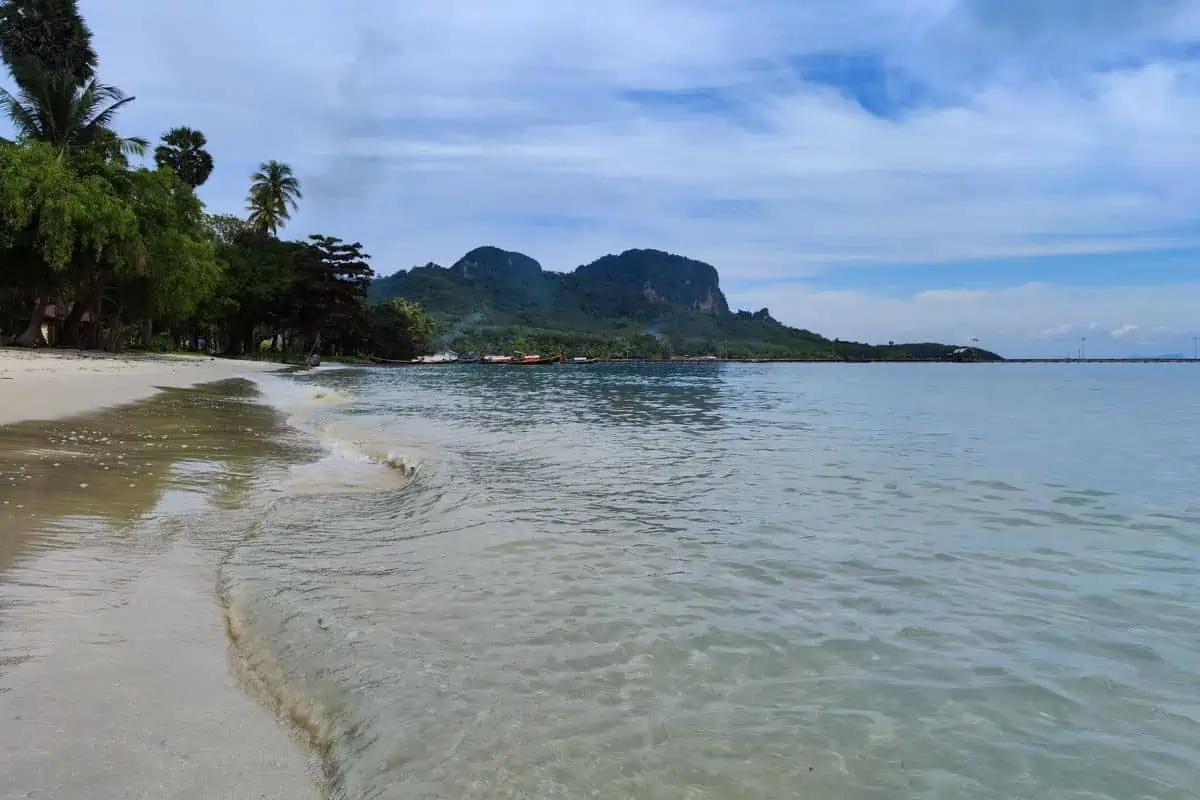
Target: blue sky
{"x": 1023, "y": 171}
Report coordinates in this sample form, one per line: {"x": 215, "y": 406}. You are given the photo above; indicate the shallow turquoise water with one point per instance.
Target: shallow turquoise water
{"x": 738, "y": 581}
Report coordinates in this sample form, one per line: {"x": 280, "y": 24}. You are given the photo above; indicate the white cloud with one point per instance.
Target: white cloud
{"x": 1035, "y": 319}
{"x": 425, "y": 128}
{"x": 1125, "y": 331}
{"x": 453, "y": 122}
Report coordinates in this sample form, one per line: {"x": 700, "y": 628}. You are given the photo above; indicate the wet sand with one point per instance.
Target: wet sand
{"x": 117, "y": 679}
{"x": 49, "y": 384}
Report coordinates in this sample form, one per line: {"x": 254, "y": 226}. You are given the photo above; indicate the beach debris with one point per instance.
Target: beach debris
{"x": 83, "y": 486}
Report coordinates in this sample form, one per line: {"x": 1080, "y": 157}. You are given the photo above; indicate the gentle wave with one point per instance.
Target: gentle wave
{"x": 764, "y": 582}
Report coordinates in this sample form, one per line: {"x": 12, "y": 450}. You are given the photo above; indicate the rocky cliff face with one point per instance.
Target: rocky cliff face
{"x": 484, "y": 263}
{"x": 664, "y": 278}
{"x": 637, "y": 284}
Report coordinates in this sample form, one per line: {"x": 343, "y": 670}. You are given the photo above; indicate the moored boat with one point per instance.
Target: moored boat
{"x": 535, "y": 360}
{"x": 522, "y": 360}
{"x": 426, "y": 361}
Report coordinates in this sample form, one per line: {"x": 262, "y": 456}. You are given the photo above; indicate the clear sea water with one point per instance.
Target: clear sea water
{"x": 736, "y": 581}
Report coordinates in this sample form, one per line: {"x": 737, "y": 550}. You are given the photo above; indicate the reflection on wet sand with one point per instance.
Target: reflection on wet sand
{"x": 104, "y": 473}
{"x": 115, "y": 678}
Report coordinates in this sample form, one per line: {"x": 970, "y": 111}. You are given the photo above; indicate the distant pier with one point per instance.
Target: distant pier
{"x": 694, "y": 360}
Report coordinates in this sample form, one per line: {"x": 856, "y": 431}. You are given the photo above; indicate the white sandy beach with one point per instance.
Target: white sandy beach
{"x": 44, "y": 384}
{"x": 115, "y": 673}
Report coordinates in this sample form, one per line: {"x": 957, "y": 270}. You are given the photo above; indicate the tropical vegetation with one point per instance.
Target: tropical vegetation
{"x": 98, "y": 253}
{"x": 640, "y": 304}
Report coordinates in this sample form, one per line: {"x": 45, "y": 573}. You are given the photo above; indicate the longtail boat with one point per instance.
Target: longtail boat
{"x": 528, "y": 361}
{"x": 521, "y": 360}
{"x": 416, "y": 362}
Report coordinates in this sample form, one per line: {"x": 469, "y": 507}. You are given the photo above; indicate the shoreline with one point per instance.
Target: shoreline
{"x": 52, "y": 384}
{"x": 118, "y": 678}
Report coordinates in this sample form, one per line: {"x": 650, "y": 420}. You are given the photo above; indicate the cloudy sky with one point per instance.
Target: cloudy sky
{"x": 1023, "y": 171}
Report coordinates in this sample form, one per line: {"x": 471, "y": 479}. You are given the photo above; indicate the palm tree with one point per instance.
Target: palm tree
{"x": 39, "y": 37}
{"x": 183, "y": 151}
{"x": 70, "y": 118}
{"x": 273, "y": 196}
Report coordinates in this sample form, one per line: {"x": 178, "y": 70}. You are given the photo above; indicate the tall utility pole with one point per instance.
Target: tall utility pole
{"x": 1195, "y": 347}
{"x": 1082, "y": 348}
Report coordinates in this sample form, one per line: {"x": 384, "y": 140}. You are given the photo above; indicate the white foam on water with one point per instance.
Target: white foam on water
{"x": 354, "y": 460}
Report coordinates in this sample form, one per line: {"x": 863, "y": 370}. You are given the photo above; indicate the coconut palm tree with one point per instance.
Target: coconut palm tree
{"x": 183, "y": 151}
{"x": 50, "y": 108}
{"x": 274, "y": 193}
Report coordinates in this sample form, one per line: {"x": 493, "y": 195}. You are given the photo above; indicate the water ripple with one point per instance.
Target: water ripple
{"x": 746, "y": 582}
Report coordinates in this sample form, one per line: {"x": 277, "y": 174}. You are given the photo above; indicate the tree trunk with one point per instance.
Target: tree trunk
{"x": 237, "y": 337}
{"x": 113, "y": 343}
{"x": 33, "y": 333}
{"x": 95, "y": 341}
{"x": 146, "y": 335}
{"x": 69, "y": 334}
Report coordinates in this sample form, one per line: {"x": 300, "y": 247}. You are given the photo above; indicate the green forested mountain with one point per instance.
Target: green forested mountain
{"x": 639, "y": 304}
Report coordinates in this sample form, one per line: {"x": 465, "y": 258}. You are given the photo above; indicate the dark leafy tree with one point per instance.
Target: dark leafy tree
{"x": 331, "y": 289}
{"x": 94, "y": 237}
{"x": 399, "y": 330}
{"x": 183, "y": 151}
{"x": 40, "y": 38}
{"x": 255, "y": 295}
{"x": 69, "y": 118}
{"x": 274, "y": 195}
{"x": 226, "y": 228}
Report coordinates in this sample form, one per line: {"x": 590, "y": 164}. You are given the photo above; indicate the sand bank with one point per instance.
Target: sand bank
{"x": 117, "y": 679}
{"x": 47, "y": 384}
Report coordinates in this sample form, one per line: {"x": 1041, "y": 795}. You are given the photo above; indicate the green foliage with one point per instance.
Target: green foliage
{"x": 314, "y": 289}
{"x": 226, "y": 228}
{"x": 89, "y": 230}
{"x": 274, "y": 195}
{"x": 45, "y": 37}
{"x": 639, "y": 304}
{"x": 330, "y": 288}
{"x": 636, "y": 281}
{"x": 259, "y": 273}
{"x": 183, "y": 151}
{"x": 53, "y": 110}
{"x": 399, "y": 330}
{"x": 180, "y": 256}
{"x": 106, "y": 244}
{"x": 60, "y": 216}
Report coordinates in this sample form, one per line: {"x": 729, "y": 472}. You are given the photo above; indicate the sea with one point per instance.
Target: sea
{"x": 725, "y": 581}
{"x": 737, "y": 581}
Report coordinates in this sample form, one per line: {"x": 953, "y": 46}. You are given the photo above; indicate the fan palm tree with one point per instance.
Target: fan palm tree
{"x": 274, "y": 193}
{"x": 72, "y": 119}
{"x": 183, "y": 151}
{"x": 38, "y": 37}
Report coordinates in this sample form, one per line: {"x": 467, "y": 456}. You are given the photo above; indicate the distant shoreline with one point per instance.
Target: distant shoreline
{"x": 702, "y": 361}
